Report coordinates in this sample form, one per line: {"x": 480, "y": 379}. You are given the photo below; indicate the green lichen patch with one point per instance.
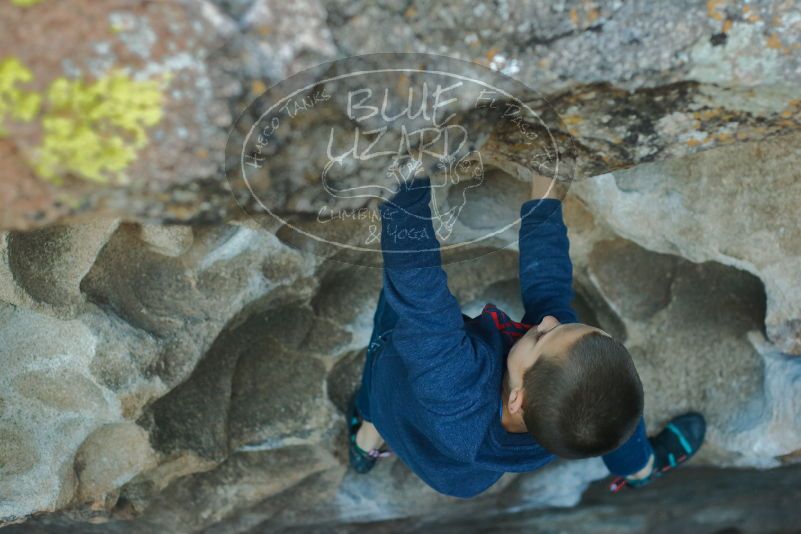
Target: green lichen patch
{"x": 16, "y": 103}
{"x": 90, "y": 130}
{"x": 94, "y": 130}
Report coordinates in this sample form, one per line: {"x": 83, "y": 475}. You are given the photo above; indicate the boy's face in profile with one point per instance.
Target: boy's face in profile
{"x": 550, "y": 339}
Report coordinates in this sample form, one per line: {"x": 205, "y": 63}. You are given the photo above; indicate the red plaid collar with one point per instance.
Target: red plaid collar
{"x": 504, "y": 323}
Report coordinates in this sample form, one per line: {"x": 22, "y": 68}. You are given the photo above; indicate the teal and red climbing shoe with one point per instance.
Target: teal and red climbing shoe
{"x": 360, "y": 460}
{"x": 677, "y": 443}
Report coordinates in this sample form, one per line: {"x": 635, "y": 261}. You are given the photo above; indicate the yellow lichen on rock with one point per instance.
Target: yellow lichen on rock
{"x": 93, "y": 131}
{"x": 16, "y": 103}
{"x": 25, "y": 3}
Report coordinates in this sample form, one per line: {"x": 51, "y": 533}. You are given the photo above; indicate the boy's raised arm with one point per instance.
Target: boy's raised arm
{"x": 546, "y": 273}
{"x": 430, "y": 336}
{"x": 546, "y": 276}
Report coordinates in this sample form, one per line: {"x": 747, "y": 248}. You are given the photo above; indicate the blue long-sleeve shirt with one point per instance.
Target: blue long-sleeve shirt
{"x": 436, "y": 386}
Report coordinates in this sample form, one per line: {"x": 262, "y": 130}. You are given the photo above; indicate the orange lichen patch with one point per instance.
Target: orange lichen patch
{"x": 773, "y": 41}
{"x": 410, "y": 12}
{"x": 793, "y": 109}
{"x": 491, "y": 53}
{"x": 707, "y": 114}
{"x": 590, "y": 13}
{"x": 258, "y": 86}
{"x": 727, "y": 24}
{"x": 724, "y": 137}
{"x": 749, "y": 15}
{"x": 714, "y": 9}
{"x": 572, "y": 120}
{"x": 694, "y": 142}
{"x": 574, "y": 18}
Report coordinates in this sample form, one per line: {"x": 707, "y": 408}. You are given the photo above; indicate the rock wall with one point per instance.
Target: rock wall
{"x": 170, "y": 364}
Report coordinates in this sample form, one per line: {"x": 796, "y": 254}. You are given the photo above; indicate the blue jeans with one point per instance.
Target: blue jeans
{"x": 627, "y": 459}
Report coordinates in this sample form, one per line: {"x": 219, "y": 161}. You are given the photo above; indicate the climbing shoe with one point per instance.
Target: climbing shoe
{"x": 360, "y": 460}
{"x": 677, "y": 443}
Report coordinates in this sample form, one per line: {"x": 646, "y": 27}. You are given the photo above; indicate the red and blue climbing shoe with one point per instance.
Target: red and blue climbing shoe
{"x": 360, "y": 460}
{"x": 677, "y": 443}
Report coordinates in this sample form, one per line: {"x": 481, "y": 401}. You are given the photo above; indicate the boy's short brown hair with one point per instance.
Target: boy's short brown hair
{"x": 586, "y": 402}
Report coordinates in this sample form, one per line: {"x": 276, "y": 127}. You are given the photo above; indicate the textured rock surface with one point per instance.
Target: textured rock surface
{"x": 634, "y": 82}
{"x": 48, "y": 265}
{"x": 234, "y": 360}
{"x": 735, "y": 205}
{"x": 111, "y": 456}
{"x": 167, "y": 365}
{"x": 165, "y": 43}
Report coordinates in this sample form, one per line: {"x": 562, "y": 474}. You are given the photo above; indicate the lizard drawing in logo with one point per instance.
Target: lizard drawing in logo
{"x": 452, "y": 172}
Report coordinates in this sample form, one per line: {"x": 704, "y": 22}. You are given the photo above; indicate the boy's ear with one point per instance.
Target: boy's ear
{"x": 515, "y": 403}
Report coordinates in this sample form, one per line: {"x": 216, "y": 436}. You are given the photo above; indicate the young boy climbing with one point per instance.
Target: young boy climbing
{"x": 463, "y": 400}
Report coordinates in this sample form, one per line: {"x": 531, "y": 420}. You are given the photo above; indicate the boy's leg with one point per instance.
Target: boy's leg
{"x": 675, "y": 444}
{"x": 384, "y": 321}
{"x": 632, "y": 456}
{"x": 365, "y": 440}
